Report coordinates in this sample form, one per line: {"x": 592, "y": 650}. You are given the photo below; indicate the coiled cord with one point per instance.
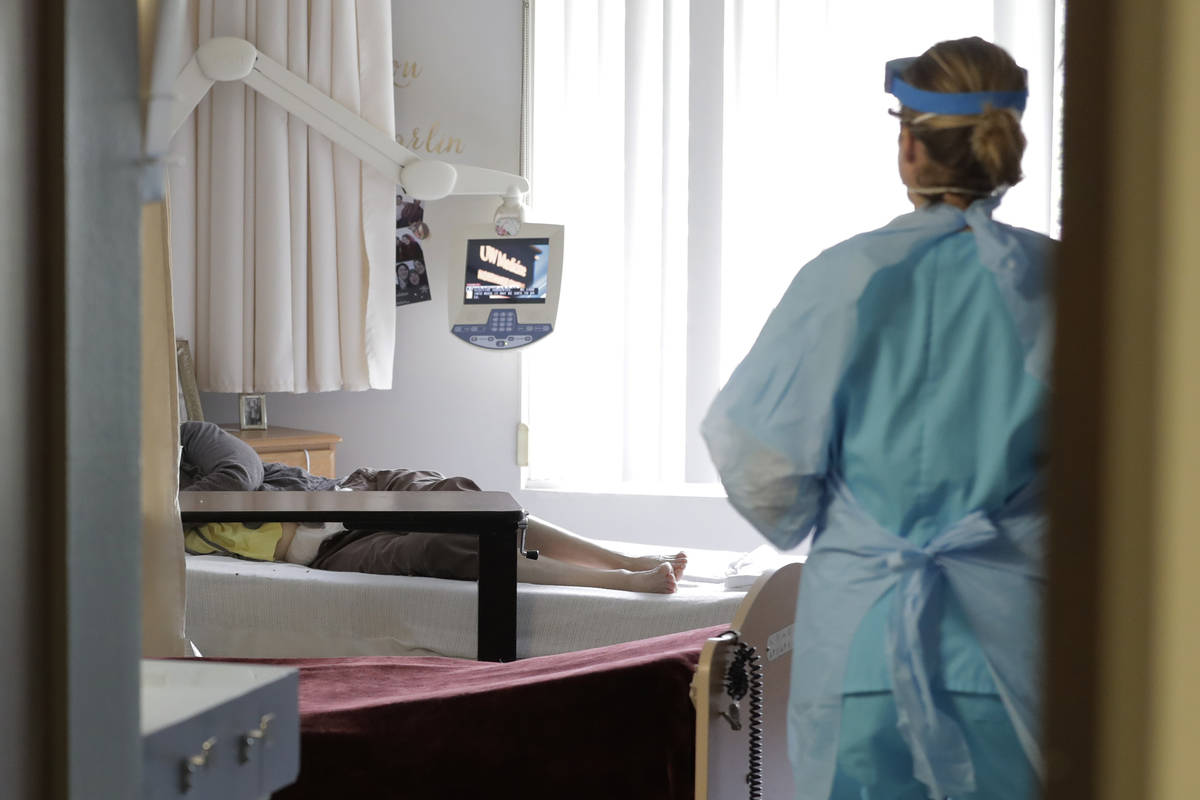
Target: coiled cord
{"x": 745, "y": 673}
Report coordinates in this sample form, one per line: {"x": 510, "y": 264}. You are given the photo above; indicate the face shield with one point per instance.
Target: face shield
{"x": 951, "y": 103}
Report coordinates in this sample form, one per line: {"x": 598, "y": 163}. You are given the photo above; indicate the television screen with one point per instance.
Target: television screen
{"x": 511, "y": 269}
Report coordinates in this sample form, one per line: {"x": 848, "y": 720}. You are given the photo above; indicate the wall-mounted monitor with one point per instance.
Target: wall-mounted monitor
{"x": 504, "y": 289}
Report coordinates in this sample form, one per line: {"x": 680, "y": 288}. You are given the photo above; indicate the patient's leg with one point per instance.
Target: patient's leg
{"x": 548, "y": 570}
{"x": 549, "y": 539}
{"x": 560, "y": 544}
{"x": 456, "y": 555}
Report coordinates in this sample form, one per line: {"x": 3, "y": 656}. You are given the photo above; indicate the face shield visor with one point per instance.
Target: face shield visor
{"x": 951, "y": 103}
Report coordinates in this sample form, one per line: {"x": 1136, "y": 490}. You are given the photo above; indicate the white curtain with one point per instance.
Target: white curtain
{"x": 699, "y": 153}
{"x": 293, "y": 236}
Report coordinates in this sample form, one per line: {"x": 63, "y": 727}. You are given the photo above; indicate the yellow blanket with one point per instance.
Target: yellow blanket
{"x": 234, "y": 539}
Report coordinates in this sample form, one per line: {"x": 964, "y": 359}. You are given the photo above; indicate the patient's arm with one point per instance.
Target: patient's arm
{"x": 216, "y": 461}
{"x": 285, "y": 540}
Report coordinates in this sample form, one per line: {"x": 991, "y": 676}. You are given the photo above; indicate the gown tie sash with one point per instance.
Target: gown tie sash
{"x": 925, "y": 728}
{"x": 990, "y": 561}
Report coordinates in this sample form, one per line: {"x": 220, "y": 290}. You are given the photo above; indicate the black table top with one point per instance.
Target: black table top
{"x": 465, "y": 512}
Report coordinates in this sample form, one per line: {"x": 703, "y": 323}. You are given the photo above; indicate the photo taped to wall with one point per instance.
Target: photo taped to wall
{"x": 412, "y": 282}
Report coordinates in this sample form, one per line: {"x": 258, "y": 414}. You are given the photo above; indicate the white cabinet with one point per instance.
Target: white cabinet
{"x": 218, "y": 730}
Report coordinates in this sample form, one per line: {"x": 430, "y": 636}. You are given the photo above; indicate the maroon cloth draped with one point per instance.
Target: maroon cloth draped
{"x": 612, "y": 722}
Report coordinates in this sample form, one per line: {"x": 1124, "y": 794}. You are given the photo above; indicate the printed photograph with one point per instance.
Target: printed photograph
{"x": 412, "y": 282}
{"x": 252, "y": 412}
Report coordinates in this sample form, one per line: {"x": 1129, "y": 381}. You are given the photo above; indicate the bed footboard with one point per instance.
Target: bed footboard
{"x": 742, "y": 742}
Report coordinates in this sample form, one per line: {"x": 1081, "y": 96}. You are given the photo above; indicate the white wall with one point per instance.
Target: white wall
{"x": 452, "y": 407}
{"x": 455, "y": 408}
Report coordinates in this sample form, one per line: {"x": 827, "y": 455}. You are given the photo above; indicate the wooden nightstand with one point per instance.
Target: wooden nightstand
{"x": 310, "y": 450}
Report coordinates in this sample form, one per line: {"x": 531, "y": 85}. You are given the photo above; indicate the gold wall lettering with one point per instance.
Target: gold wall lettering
{"x": 404, "y": 73}
{"x": 432, "y": 141}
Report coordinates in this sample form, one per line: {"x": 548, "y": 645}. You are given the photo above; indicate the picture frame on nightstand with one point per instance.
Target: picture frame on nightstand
{"x": 252, "y": 412}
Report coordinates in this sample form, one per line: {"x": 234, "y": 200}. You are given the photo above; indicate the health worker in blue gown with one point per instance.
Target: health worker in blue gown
{"x": 893, "y": 405}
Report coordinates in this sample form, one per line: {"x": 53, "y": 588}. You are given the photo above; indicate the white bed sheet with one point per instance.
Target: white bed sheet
{"x": 244, "y": 609}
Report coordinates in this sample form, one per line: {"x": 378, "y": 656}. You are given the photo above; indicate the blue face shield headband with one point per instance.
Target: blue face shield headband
{"x": 959, "y": 104}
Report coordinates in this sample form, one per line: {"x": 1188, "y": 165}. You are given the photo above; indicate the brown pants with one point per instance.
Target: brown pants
{"x": 433, "y": 555}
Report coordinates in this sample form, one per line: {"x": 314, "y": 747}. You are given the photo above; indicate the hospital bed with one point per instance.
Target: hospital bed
{"x": 246, "y": 609}
{"x": 239, "y": 608}
{"x": 615, "y": 721}
{"x": 494, "y": 518}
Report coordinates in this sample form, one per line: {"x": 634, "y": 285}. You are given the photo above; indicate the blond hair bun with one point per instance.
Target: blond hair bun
{"x": 998, "y": 144}
{"x": 978, "y": 153}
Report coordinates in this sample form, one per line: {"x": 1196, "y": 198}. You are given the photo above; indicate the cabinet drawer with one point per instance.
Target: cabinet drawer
{"x": 293, "y": 458}
{"x": 309, "y": 450}
{"x": 318, "y": 462}
{"x": 322, "y": 463}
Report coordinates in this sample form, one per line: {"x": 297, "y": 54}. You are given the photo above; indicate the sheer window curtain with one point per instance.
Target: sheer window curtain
{"x": 285, "y": 241}
{"x": 700, "y": 152}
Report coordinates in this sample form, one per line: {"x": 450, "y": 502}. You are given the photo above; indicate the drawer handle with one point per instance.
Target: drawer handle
{"x": 251, "y": 738}
{"x": 194, "y": 764}
{"x": 307, "y": 462}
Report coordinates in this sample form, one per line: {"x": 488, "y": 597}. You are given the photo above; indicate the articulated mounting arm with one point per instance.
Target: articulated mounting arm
{"x": 232, "y": 59}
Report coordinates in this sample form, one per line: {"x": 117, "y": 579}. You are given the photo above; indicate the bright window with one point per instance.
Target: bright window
{"x": 699, "y": 153}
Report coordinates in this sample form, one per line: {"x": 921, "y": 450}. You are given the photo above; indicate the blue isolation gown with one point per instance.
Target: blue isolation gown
{"x": 893, "y": 402}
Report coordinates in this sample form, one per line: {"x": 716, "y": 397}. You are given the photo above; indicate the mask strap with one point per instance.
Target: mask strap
{"x": 940, "y": 190}
{"x": 928, "y": 115}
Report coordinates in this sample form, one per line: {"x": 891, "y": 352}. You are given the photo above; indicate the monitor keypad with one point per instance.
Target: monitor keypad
{"x": 502, "y": 331}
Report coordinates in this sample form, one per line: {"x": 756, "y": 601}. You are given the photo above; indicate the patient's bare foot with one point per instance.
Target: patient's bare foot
{"x": 678, "y": 563}
{"x": 660, "y": 580}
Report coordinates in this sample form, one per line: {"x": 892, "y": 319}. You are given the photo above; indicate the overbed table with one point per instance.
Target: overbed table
{"x": 495, "y": 517}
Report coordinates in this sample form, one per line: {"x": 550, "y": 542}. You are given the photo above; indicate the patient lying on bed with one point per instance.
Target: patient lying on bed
{"x": 214, "y": 460}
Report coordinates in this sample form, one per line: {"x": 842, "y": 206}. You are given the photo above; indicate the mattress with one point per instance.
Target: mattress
{"x": 242, "y": 609}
